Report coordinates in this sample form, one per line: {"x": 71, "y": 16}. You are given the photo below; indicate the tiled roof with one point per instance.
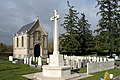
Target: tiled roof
{"x": 29, "y": 26}
{"x": 26, "y": 27}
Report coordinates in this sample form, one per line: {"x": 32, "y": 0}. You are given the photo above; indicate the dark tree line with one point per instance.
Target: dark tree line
{"x": 5, "y": 48}
{"x": 78, "y": 36}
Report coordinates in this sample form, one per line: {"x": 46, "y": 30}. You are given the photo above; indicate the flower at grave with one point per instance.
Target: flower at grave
{"x": 107, "y": 76}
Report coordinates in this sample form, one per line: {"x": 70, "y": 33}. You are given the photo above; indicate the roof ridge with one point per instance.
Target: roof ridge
{"x": 32, "y": 25}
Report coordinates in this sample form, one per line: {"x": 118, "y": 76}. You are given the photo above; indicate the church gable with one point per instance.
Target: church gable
{"x": 37, "y": 27}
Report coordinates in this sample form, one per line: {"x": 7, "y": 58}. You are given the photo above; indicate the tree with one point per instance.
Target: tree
{"x": 5, "y": 48}
{"x": 84, "y": 34}
{"x": 101, "y": 42}
{"x": 110, "y": 20}
{"x": 68, "y": 39}
{"x": 50, "y": 46}
{"x": 1, "y": 45}
{"x": 78, "y": 36}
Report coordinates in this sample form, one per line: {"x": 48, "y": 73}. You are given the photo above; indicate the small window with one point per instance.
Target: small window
{"x": 17, "y": 42}
{"x": 29, "y": 42}
{"x": 22, "y": 41}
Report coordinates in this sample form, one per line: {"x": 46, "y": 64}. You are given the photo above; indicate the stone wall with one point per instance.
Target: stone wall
{"x": 20, "y": 41}
{"x": 99, "y": 66}
{"x": 20, "y": 51}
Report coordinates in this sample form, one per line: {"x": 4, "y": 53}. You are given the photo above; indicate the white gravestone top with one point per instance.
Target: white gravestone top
{"x": 10, "y": 58}
{"x": 39, "y": 61}
{"x": 25, "y": 60}
{"x": 111, "y": 76}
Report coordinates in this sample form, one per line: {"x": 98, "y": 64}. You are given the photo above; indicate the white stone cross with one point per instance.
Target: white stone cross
{"x": 56, "y": 36}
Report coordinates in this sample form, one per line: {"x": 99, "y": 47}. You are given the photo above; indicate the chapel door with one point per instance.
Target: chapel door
{"x": 37, "y": 50}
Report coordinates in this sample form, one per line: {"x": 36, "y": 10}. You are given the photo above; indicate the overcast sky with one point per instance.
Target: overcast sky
{"x": 16, "y": 13}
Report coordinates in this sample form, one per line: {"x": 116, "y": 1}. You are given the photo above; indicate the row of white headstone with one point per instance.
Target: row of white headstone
{"x": 29, "y": 60}
{"x": 81, "y": 61}
{"x": 89, "y": 58}
{"x": 74, "y": 61}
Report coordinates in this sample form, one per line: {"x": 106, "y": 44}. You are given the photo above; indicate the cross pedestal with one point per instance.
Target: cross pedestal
{"x": 56, "y": 71}
{"x": 56, "y": 60}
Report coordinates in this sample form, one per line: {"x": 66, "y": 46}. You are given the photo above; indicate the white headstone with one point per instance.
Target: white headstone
{"x": 79, "y": 63}
{"x": 48, "y": 60}
{"x": 105, "y": 59}
{"x": 64, "y": 56}
{"x": 10, "y": 58}
{"x": 74, "y": 65}
{"x": 94, "y": 59}
{"x": 116, "y": 58}
{"x": 33, "y": 58}
{"x": 111, "y": 76}
{"x": 89, "y": 58}
{"x": 39, "y": 61}
{"x": 30, "y": 59}
{"x": 101, "y": 59}
{"x": 25, "y": 61}
{"x": 36, "y": 59}
{"x": 98, "y": 59}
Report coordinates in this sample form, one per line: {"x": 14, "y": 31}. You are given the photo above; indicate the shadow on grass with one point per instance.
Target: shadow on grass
{"x": 80, "y": 70}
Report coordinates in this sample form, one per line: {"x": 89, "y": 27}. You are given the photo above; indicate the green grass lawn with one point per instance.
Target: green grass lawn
{"x": 83, "y": 70}
{"x": 98, "y": 75}
{"x": 10, "y": 71}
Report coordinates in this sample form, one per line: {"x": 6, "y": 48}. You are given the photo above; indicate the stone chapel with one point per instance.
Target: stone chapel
{"x": 30, "y": 40}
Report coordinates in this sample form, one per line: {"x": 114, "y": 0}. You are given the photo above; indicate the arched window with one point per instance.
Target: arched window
{"x": 17, "y": 42}
{"x": 22, "y": 41}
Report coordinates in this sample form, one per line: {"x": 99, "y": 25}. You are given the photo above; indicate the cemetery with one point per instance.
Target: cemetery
{"x": 19, "y": 69}
{"x": 63, "y": 67}
{"x": 75, "y": 54}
